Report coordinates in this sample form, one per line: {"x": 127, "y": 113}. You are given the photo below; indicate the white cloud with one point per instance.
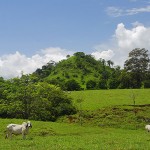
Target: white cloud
{"x": 114, "y": 11}
{"x": 117, "y": 12}
{"x": 107, "y": 55}
{"x": 13, "y": 64}
{"x": 124, "y": 40}
{"x": 136, "y": 23}
{"x": 54, "y": 53}
{"x": 137, "y": 10}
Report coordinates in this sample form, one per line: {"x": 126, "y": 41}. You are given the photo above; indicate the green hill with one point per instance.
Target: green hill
{"x": 83, "y": 69}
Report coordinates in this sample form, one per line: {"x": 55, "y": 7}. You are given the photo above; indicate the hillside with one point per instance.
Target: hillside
{"x": 80, "y": 68}
{"x": 128, "y": 108}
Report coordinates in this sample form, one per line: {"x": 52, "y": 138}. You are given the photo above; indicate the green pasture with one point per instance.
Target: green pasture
{"x": 96, "y": 99}
{"x": 63, "y": 136}
{"x": 109, "y": 123}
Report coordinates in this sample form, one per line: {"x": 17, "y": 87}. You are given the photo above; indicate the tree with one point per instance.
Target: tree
{"x": 110, "y": 63}
{"x": 113, "y": 83}
{"x": 22, "y": 98}
{"x": 102, "y": 84}
{"x": 137, "y": 65}
{"x": 72, "y": 85}
{"x": 49, "y": 102}
{"x": 91, "y": 85}
{"x": 125, "y": 80}
{"x": 79, "y": 54}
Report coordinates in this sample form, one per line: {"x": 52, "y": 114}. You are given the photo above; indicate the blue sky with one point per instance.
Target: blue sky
{"x": 32, "y": 32}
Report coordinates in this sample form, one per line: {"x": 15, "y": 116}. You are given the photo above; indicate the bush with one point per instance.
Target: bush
{"x": 72, "y": 85}
{"x": 91, "y": 85}
{"x": 147, "y": 84}
{"x": 102, "y": 84}
{"x": 41, "y": 101}
{"x": 113, "y": 83}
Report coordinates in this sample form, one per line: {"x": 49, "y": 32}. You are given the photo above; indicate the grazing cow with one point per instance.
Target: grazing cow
{"x": 147, "y": 127}
{"x": 18, "y": 129}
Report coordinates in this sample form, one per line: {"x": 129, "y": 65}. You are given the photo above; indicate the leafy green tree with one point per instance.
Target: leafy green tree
{"x": 102, "y": 84}
{"x": 125, "y": 80}
{"x": 110, "y": 63}
{"x": 137, "y": 65}
{"x": 91, "y": 85}
{"x": 2, "y": 85}
{"x": 72, "y": 85}
{"x": 46, "y": 70}
{"x": 23, "y": 98}
{"x": 147, "y": 84}
{"x": 79, "y": 54}
{"x": 113, "y": 83}
{"x": 50, "y": 102}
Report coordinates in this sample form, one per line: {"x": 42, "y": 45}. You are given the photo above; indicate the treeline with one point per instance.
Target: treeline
{"x": 81, "y": 71}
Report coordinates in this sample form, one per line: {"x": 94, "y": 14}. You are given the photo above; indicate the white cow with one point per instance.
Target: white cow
{"x": 147, "y": 127}
{"x": 18, "y": 129}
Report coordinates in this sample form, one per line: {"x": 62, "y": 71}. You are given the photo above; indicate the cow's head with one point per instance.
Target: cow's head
{"x": 29, "y": 124}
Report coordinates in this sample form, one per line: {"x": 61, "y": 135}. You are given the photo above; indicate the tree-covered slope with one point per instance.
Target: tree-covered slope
{"x": 82, "y": 71}
{"x": 79, "y": 69}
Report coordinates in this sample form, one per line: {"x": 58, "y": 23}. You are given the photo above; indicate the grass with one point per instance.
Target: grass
{"x": 109, "y": 123}
{"x": 113, "y": 108}
{"x": 64, "y": 136}
{"x": 96, "y": 99}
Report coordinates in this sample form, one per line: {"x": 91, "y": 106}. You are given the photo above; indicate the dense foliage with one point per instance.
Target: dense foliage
{"x": 21, "y": 98}
{"x": 137, "y": 65}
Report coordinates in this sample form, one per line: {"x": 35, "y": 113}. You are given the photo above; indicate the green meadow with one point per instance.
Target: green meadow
{"x": 99, "y": 106}
{"x": 53, "y": 136}
{"x": 95, "y": 99}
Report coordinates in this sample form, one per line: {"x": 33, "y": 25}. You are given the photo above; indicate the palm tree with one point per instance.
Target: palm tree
{"x": 110, "y": 63}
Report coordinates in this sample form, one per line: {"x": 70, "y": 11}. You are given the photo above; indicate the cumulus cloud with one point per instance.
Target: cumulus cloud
{"x": 13, "y": 64}
{"x": 117, "y": 12}
{"x": 107, "y": 55}
{"x": 124, "y": 40}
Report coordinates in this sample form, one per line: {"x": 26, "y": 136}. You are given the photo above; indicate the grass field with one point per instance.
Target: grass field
{"x": 90, "y": 136}
{"x": 54, "y": 136}
{"x": 95, "y": 99}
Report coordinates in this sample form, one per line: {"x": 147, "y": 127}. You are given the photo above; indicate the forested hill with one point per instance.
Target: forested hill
{"x": 82, "y": 71}
{"x": 78, "y": 72}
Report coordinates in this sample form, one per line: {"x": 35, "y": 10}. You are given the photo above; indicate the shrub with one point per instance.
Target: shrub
{"x": 72, "y": 85}
{"x": 147, "y": 84}
{"x": 91, "y": 85}
{"x": 41, "y": 101}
